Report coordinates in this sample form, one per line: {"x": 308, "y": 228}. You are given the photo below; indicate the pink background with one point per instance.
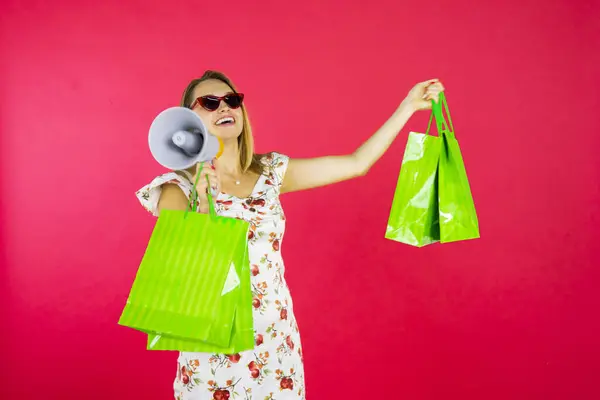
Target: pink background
{"x": 513, "y": 315}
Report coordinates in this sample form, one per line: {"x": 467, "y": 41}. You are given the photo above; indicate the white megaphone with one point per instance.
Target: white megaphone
{"x": 178, "y": 139}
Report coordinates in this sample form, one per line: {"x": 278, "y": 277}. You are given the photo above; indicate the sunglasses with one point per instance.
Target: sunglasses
{"x": 212, "y": 103}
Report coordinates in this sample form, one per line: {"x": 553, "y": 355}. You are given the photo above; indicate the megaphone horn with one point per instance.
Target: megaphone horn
{"x": 178, "y": 139}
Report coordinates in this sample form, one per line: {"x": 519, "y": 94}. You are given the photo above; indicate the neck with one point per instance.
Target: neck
{"x": 229, "y": 162}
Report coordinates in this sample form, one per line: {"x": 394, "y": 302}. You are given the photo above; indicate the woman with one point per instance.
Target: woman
{"x": 248, "y": 186}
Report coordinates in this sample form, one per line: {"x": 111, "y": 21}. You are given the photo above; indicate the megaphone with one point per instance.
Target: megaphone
{"x": 178, "y": 139}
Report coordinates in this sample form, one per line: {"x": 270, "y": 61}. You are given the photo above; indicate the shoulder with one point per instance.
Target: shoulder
{"x": 274, "y": 159}
{"x": 170, "y": 182}
{"x": 180, "y": 178}
{"x": 274, "y": 165}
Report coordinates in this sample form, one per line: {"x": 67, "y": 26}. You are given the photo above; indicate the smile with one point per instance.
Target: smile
{"x": 225, "y": 121}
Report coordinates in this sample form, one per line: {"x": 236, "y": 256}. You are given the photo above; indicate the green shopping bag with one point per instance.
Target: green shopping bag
{"x": 432, "y": 202}
{"x": 413, "y": 218}
{"x": 242, "y": 334}
{"x": 189, "y": 283}
{"x": 242, "y": 337}
{"x": 457, "y": 215}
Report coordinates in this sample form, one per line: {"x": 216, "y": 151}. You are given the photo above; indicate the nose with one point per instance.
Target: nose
{"x": 223, "y": 106}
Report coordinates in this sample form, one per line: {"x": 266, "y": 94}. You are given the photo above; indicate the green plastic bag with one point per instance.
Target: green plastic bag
{"x": 413, "y": 218}
{"x": 432, "y": 202}
{"x": 242, "y": 334}
{"x": 457, "y": 215}
{"x": 193, "y": 283}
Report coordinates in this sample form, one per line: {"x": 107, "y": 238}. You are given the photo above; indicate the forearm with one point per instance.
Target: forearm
{"x": 372, "y": 149}
{"x": 315, "y": 172}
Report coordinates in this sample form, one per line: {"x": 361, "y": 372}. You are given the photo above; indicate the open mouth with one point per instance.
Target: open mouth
{"x": 225, "y": 121}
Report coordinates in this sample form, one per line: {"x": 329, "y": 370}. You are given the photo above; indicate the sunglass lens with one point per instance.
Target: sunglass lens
{"x": 210, "y": 103}
{"x": 234, "y": 100}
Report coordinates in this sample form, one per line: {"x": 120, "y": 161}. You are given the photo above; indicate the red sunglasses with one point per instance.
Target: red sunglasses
{"x": 212, "y": 103}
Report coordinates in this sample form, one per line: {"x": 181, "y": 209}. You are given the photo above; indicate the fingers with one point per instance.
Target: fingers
{"x": 202, "y": 173}
{"x": 434, "y": 88}
{"x": 429, "y": 82}
{"x": 206, "y": 170}
{"x": 433, "y": 91}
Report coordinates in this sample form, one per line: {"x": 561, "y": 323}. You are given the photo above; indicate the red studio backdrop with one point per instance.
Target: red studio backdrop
{"x": 513, "y": 315}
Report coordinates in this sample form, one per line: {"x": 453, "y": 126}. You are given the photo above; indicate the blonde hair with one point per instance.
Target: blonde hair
{"x": 248, "y": 159}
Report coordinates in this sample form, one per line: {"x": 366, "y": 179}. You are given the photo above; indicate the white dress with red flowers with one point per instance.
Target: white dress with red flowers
{"x": 274, "y": 369}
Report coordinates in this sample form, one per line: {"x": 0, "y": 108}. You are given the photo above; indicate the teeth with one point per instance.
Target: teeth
{"x": 224, "y": 120}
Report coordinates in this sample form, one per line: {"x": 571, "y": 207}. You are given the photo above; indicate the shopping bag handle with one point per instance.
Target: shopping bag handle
{"x": 194, "y": 198}
{"x": 438, "y": 114}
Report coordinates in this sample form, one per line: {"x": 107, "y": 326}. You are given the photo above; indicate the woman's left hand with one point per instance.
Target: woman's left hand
{"x": 420, "y": 96}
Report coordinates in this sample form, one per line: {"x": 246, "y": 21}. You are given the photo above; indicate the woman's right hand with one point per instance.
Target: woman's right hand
{"x": 204, "y": 170}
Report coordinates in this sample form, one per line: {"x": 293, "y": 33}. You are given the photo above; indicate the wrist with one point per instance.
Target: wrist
{"x": 406, "y": 108}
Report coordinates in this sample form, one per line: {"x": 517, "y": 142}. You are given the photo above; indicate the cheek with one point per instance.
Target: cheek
{"x": 239, "y": 116}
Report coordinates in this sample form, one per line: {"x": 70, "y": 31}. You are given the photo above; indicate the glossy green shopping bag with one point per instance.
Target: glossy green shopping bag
{"x": 433, "y": 202}
{"x": 189, "y": 283}
{"x": 242, "y": 335}
{"x": 413, "y": 218}
{"x": 457, "y": 215}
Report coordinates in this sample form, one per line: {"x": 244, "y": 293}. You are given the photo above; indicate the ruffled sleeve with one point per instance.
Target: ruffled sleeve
{"x": 150, "y": 194}
{"x": 276, "y": 164}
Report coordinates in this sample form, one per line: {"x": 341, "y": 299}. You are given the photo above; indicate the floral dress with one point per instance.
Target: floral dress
{"x": 274, "y": 368}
